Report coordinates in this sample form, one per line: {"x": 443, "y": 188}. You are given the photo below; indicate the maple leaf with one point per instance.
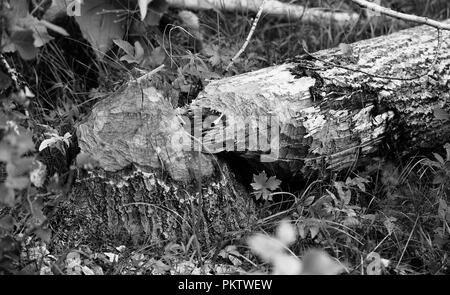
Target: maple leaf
{"x": 263, "y": 186}
{"x": 214, "y": 54}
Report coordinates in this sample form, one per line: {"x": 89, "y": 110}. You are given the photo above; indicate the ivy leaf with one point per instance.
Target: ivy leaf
{"x": 133, "y": 54}
{"x": 99, "y": 26}
{"x": 263, "y": 186}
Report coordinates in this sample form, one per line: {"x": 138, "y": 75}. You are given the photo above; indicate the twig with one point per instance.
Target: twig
{"x": 149, "y": 74}
{"x": 250, "y": 34}
{"x": 403, "y": 16}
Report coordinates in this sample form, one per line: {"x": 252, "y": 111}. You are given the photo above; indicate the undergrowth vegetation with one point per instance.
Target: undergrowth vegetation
{"x": 389, "y": 218}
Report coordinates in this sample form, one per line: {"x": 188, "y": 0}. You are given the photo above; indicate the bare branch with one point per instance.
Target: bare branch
{"x": 403, "y": 16}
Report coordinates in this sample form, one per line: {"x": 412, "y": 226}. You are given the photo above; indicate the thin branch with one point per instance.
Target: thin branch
{"x": 403, "y": 16}
{"x": 250, "y": 34}
{"x": 272, "y": 7}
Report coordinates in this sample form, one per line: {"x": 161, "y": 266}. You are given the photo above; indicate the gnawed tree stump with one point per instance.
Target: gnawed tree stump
{"x": 337, "y": 106}
{"x": 147, "y": 189}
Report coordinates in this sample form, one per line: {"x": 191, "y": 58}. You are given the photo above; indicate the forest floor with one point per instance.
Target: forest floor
{"x": 397, "y": 220}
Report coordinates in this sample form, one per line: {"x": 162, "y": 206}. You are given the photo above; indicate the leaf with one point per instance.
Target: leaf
{"x": 344, "y": 194}
{"x": 263, "y": 185}
{"x": 138, "y": 51}
{"x": 389, "y": 224}
{"x": 125, "y": 46}
{"x": 318, "y": 262}
{"x": 265, "y": 246}
{"x": 7, "y": 196}
{"x": 439, "y": 158}
{"x": 286, "y": 264}
{"x": 309, "y": 200}
{"x": 113, "y": 258}
{"x": 143, "y": 8}
{"x": 5, "y": 81}
{"x": 286, "y": 233}
{"x": 157, "y": 56}
{"x": 314, "y": 231}
{"x": 155, "y": 11}
{"x": 214, "y": 56}
{"x": 56, "y": 141}
{"x": 351, "y": 222}
{"x": 441, "y": 114}
{"x": 24, "y": 44}
{"x": 87, "y": 271}
{"x": 447, "y": 150}
{"x": 98, "y": 27}
{"x": 231, "y": 253}
{"x": 301, "y": 230}
{"x": 7, "y": 222}
{"x": 133, "y": 54}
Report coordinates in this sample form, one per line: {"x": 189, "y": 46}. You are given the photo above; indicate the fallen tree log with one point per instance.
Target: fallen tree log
{"x": 327, "y": 110}
{"x": 336, "y": 106}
